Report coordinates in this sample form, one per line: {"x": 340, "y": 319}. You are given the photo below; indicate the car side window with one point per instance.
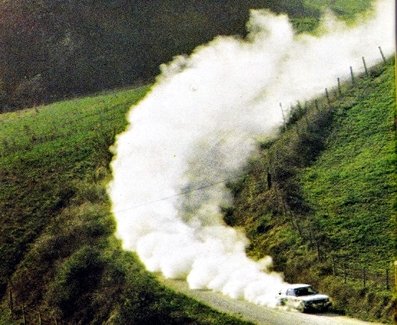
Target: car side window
{"x": 290, "y": 292}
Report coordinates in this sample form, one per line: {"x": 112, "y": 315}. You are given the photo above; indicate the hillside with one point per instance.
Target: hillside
{"x": 59, "y": 258}
{"x": 319, "y": 199}
{"x": 62, "y": 260}
{"x": 52, "y": 49}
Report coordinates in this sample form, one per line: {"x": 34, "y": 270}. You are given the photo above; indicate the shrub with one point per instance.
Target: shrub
{"x": 71, "y": 290}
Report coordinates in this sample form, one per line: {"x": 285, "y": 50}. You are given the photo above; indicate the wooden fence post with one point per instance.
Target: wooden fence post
{"x": 11, "y": 301}
{"x": 269, "y": 179}
{"x": 387, "y": 279}
{"x": 364, "y": 277}
{"x": 327, "y": 95}
{"x": 345, "y": 273}
{"x": 317, "y": 107}
{"x": 381, "y": 53}
{"x": 352, "y": 75}
{"x": 365, "y": 67}
{"x": 23, "y": 315}
{"x": 339, "y": 87}
{"x": 282, "y": 114}
{"x": 306, "y": 119}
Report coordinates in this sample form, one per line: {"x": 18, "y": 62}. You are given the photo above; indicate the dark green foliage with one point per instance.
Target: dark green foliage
{"x": 51, "y": 49}
{"x": 78, "y": 277}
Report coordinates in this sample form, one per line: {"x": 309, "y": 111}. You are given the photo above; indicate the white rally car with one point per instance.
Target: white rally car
{"x": 303, "y": 298}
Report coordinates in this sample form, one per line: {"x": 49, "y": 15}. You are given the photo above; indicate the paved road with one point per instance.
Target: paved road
{"x": 258, "y": 314}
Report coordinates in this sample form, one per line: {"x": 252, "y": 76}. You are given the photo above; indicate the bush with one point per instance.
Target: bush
{"x": 71, "y": 291}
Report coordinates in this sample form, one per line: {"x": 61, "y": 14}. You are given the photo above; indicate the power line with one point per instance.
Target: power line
{"x": 182, "y": 193}
{"x": 216, "y": 141}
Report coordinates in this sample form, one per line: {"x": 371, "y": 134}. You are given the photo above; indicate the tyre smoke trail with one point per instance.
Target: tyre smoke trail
{"x": 198, "y": 125}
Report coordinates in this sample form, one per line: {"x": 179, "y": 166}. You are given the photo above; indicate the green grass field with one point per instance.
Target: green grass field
{"x": 349, "y": 11}
{"x": 351, "y": 186}
{"x": 58, "y": 254}
{"x": 343, "y": 8}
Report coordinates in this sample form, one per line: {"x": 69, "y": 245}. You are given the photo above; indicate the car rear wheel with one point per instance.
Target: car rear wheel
{"x": 301, "y": 307}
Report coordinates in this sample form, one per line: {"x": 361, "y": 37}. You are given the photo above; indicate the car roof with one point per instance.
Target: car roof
{"x": 297, "y": 285}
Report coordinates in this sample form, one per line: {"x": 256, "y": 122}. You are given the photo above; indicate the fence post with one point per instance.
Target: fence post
{"x": 387, "y": 279}
{"x": 11, "y": 301}
{"x": 327, "y": 95}
{"x": 345, "y": 273}
{"x": 333, "y": 266}
{"x": 365, "y": 66}
{"x": 352, "y": 75}
{"x": 381, "y": 53}
{"x": 339, "y": 87}
{"x": 306, "y": 119}
{"x": 40, "y": 321}
{"x": 23, "y": 315}
{"x": 364, "y": 277}
{"x": 282, "y": 114}
{"x": 316, "y": 103}
{"x": 269, "y": 179}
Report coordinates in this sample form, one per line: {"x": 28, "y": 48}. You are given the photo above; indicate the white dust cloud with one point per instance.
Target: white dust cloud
{"x": 197, "y": 127}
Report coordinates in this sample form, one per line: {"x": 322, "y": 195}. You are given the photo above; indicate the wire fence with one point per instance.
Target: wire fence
{"x": 346, "y": 269}
{"x": 331, "y": 94}
{"x": 364, "y": 275}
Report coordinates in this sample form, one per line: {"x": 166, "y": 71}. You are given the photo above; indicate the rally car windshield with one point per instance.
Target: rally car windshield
{"x": 305, "y": 291}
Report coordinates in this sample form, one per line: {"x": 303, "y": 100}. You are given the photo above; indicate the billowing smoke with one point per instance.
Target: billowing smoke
{"x": 196, "y": 128}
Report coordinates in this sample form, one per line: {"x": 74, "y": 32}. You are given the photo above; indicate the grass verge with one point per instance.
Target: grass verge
{"x": 60, "y": 260}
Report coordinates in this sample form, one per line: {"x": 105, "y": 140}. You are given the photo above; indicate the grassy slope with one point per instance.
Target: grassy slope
{"x": 331, "y": 198}
{"x": 352, "y": 184}
{"x": 349, "y": 10}
{"x": 339, "y": 210}
{"x": 58, "y": 254}
{"x": 343, "y": 8}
